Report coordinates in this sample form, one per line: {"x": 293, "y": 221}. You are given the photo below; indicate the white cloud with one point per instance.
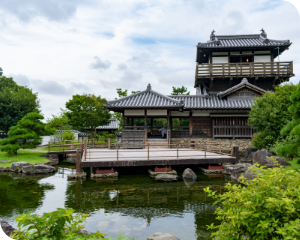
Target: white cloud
{"x": 135, "y": 42}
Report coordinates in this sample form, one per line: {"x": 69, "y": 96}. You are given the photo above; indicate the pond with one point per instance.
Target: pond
{"x": 135, "y": 204}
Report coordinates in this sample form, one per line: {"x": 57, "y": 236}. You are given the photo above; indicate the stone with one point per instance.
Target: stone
{"x": 249, "y": 175}
{"x": 84, "y": 232}
{"x": 189, "y": 174}
{"x": 38, "y": 168}
{"x": 162, "y": 236}
{"x": 236, "y": 170}
{"x": 153, "y": 173}
{"x": 248, "y": 151}
{"x": 4, "y": 169}
{"x": 282, "y": 161}
{"x": 7, "y": 229}
{"x": 260, "y": 155}
{"x": 18, "y": 166}
{"x": 166, "y": 177}
{"x": 213, "y": 171}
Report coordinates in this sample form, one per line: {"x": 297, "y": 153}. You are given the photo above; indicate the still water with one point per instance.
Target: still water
{"x": 135, "y": 204}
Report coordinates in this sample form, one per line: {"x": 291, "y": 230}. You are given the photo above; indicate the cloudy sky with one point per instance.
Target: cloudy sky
{"x": 64, "y": 47}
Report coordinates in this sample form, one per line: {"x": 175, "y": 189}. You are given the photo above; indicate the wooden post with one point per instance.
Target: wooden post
{"x": 191, "y": 124}
{"x": 81, "y": 149}
{"x": 109, "y": 144}
{"x": 148, "y": 151}
{"x": 146, "y": 125}
{"x": 235, "y": 152}
{"x": 117, "y": 152}
{"x": 78, "y": 161}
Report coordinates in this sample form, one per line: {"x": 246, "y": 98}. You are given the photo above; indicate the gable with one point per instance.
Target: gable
{"x": 243, "y": 94}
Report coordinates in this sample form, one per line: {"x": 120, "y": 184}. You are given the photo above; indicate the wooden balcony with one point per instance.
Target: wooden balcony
{"x": 254, "y": 69}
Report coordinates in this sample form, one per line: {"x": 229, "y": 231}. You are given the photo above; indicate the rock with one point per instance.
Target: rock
{"x": 77, "y": 176}
{"x": 189, "y": 174}
{"x": 260, "y": 156}
{"x": 162, "y": 236}
{"x": 105, "y": 175}
{"x": 249, "y": 175}
{"x": 5, "y": 169}
{"x": 166, "y": 177}
{"x": 18, "y": 166}
{"x": 248, "y": 151}
{"x": 38, "y": 168}
{"x": 84, "y": 232}
{"x": 236, "y": 170}
{"x": 153, "y": 173}
{"x": 282, "y": 161}
{"x": 7, "y": 229}
{"x": 213, "y": 171}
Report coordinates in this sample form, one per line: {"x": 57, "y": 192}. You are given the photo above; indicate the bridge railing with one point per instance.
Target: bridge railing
{"x": 205, "y": 150}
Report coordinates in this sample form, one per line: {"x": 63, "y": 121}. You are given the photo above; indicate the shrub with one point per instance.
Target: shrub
{"x": 60, "y": 224}
{"x": 68, "y": 135}
{"x": 268, "y": 207}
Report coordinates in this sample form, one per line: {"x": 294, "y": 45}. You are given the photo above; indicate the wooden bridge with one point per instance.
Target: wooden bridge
{"x": 126, "y": 155}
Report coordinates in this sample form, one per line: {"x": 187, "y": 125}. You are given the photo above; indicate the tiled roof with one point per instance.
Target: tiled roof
{"x": 242, "y": 83}
{"x": 145, "y": 99}
{"x": 212, "y": 102}
{"x": 255, "y": 40}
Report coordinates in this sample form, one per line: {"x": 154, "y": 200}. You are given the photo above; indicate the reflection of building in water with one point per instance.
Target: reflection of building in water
{"x": 146, "y": 201}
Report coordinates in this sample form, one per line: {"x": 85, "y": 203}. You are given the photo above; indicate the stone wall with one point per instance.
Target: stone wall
{"x": 243, "y": 144}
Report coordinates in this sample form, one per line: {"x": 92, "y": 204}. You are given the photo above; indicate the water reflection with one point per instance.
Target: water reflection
{"x": 135, "y": 204}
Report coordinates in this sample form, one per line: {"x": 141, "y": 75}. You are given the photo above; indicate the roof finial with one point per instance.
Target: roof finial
{"x": 212, "y": 35}
{"x": 263, "y": 33}
{"x": 149, "y": 87}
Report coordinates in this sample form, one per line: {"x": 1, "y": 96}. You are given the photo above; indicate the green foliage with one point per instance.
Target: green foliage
{"x": 292, "y": 129}
{"x": 26, "y": 134}
{"x": 15, "y": 103}
{"x": 59, "y": 122}
{"x": 269, "y": 114}
{"x": 122, "y": 93}
{"x": 180, "y": 91}
{"x": 87, "y": 112}
{"x": 68, "y": 135}
{"x": 268, "y": 207}
{"x": 107, "y": 135}
{"x": 1, "y": 71}
{"x": 60, "y": 224}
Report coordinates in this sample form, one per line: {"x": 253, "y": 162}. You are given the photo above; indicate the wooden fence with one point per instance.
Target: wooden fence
{"x": 254, "y": 69}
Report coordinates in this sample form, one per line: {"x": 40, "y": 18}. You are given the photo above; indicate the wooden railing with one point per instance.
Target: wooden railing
{"x": 233, "y": 131}
{"x": 254, "y": 69}
{"x": 205, "y": 150}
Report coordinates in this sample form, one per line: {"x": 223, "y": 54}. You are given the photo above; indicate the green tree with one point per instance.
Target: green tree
{"x": 292, "y": 129}
{"x": 267, "y": 208}
{"x": 26, "y": 134}
{"x": 15, "y": 103}
{"x": 87, "y": 112}
{"x": 269, "y": 114}
{"x": 59, "y": 122}
{"x": 180, "y": 91}
{"x": 1, "y": 71}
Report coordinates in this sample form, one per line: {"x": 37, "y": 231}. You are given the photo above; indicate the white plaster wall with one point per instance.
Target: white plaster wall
{"x": 156, "y": 112}
{"x": 266, "y": 58}
{"x": 134, "y": 112}
{"x": 219, "y": 59}
{"x": 180, "y": 114}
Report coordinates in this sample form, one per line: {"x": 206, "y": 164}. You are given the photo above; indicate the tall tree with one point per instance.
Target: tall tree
{"x": 26, "y": 134}
{"x": 87, "y": 112}
{"x": 15, "y": 103}
{"x": 180, "y": 91}
{"x": 269, "y": 114}
{"x": 292, "y": 129}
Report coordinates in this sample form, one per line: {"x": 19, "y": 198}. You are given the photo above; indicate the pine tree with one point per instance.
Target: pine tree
{"x": 26, "y": 134}
{"x": 292, "y": 129}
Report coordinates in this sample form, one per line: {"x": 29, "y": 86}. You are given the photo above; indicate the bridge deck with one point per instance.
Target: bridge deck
{"x": 161, "y": 156}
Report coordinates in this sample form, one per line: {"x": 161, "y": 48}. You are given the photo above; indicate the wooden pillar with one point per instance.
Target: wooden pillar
{"x": 235, "y": 152}
{"x": 191, "y": 124}
{"x": 78, "y": 161}
{"x": 169, "y": 123}
{"x": 146, "y": 127}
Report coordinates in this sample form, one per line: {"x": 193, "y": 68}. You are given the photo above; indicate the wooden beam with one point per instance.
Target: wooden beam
{"x": 204, "y": 85}
{"x": 145, "y": 119}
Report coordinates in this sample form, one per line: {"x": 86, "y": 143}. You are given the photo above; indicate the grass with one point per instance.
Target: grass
{"x": 31, "y": 156}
